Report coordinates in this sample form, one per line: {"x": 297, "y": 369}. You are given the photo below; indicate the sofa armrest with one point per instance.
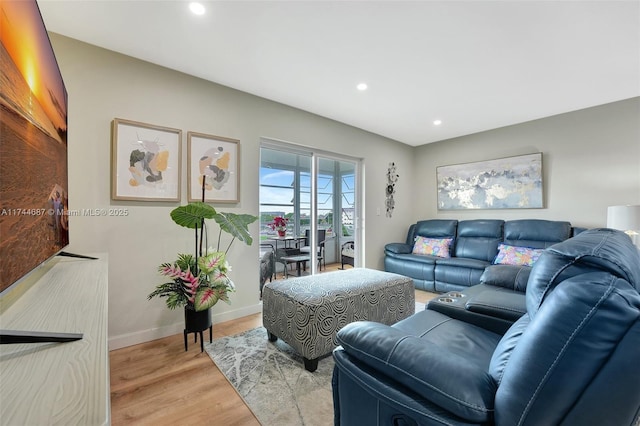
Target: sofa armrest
{"x": 509, "y": 305}
{"x": 445, "y": 378}
{"x": 398, "y": 248}
{"x": 352, "y": 405}
{"x": 512, "y": 277}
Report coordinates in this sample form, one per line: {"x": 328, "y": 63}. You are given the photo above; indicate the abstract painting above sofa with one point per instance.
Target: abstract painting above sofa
{"x": 504, "y": 183}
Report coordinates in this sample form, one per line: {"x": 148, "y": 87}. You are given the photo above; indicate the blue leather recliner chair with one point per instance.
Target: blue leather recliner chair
{"x": 572, "y": 359}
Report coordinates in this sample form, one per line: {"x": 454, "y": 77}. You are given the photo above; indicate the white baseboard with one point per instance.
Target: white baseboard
{"x": 130, "y": 339}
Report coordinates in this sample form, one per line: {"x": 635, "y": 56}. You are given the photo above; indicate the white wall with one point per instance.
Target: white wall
{"x": 590, "y": 160}
{"x": 104, "y": 85}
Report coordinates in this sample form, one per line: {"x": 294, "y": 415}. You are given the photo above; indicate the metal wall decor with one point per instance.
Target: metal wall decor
{"x": 392, "y": 178}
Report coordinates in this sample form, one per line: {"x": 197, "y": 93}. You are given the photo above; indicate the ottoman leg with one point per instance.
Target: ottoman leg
{"x": 310, "y": 365}
{"x": 272, "y": 337}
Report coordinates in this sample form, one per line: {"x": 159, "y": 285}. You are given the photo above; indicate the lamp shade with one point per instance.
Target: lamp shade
{"x": 624, "y": 218}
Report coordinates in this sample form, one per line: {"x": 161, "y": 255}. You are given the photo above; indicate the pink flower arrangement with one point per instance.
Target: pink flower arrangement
{"x": 197, "y": 283}
{"x": 279, "y": 223}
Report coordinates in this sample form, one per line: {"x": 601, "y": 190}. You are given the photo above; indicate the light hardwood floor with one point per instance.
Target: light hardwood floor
{"x": 158, "y": 383}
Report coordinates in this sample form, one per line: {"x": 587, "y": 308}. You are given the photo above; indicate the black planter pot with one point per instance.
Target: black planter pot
{"x": 196, "y": 323}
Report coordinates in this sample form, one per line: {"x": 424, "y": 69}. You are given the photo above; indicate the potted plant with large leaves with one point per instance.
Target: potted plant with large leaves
{"x": 200, "y": 280}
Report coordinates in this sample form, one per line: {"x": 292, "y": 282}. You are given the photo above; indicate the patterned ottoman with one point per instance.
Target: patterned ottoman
{"x": 308, "y": 312}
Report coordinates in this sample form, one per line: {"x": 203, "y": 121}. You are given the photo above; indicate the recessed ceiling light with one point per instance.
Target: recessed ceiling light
{"x": 197, "y": 8}
{"x": 437, "y": 122}
{"x": 362, "y": 86}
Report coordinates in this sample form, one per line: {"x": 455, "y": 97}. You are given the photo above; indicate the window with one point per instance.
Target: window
{"x": 282, "y": 174}
{"x": 287, "y": 185}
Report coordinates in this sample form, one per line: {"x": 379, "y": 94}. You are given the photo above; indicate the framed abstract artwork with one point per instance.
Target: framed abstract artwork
{"x": 145, "y": 161}
{"x": 504, "y": 183}
{"x": 213, "y": 166}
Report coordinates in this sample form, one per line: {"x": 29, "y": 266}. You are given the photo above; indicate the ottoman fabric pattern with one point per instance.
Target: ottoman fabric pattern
{"x": 307, "y": 312}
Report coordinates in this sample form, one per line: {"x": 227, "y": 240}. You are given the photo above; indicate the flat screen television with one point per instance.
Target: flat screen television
{"x": 33, "y": 144}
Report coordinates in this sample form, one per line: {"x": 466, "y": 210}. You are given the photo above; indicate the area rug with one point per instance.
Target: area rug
{"x": 271, "y": 378}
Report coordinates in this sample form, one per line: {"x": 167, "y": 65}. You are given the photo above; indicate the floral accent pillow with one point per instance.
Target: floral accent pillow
{"x": 514, "y": 255}
{"x": 432, "y": 246}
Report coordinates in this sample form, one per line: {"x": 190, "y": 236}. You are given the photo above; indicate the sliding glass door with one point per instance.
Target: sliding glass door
{"x": 316, "y": 192}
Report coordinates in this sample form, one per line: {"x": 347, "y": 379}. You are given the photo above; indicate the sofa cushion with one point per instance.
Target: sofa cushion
{"x": 593, "y": 250}
{"x": 515, "y": 255}
{"x": 507, "y": 276}
{"x": 436, "y": 228}
{"x": 418, "y": 259}
{"x": 439, "y": 247}
{"x": 535, "y": 233}
{"x": 417, "y": 359}
{"x": 509, "y": 341}
{"x": 498, "y": 302}
{"x": 398, "y": 248}
{"x": 565, "y": 346}
{"x": 462, "y": 262}
{"x": 478, "y": 238}
{"x": 411, "y": 235}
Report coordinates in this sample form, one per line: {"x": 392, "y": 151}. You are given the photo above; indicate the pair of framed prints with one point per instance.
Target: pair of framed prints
{"x": 146, "y": 164}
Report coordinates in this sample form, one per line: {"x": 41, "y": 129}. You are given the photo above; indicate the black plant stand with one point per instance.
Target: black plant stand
{"x": 186, "y": 348}
{"x": 196, "y": 323}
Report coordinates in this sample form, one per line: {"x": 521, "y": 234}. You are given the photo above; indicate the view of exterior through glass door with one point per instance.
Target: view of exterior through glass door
{"x": 310, "y": 191}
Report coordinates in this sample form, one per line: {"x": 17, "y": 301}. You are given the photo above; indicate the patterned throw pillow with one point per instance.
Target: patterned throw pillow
{"x": 514, "y": 255}
{"x": 433, "y": 246}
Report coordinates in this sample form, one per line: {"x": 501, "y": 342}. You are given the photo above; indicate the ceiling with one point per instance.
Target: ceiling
{"x": 476, "y": 65}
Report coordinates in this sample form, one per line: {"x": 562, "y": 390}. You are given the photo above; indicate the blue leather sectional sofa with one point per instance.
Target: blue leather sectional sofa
{"x": 571, "y": 359}
{"x": 474, "y": 247}
{"x": 477, "y": 291}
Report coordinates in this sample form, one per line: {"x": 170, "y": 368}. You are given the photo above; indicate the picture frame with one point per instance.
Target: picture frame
{"x": 217, "y": 158}
{"x": 503, "y": 183}
{"x": 145, "y": 161}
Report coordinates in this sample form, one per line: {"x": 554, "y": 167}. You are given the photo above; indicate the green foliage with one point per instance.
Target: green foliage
{"x": 191, "y": 215}
{"x": 199, "y": 287}
{"x": 185, "y": 262}
{"x": 236, "y": 224}
{"x": 174, "y": 293}
{"x": 200, "y": 281}
{"x": 206, "y": 299}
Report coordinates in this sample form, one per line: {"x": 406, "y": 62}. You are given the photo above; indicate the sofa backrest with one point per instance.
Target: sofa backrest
{"x": 581, "y": 333}
{"x": 593, "y": 250}
{"x": 435, "y": 228}
{"x": 478, "y": 239}
{"x": 411, "y": 235}
{"x": 535, "y": 233}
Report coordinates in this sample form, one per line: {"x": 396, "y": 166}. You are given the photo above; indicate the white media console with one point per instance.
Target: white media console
{"x": 59, "y": 383}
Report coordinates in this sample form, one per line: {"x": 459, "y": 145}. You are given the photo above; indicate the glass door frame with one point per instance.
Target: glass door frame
{"x": 358, "y": 222}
